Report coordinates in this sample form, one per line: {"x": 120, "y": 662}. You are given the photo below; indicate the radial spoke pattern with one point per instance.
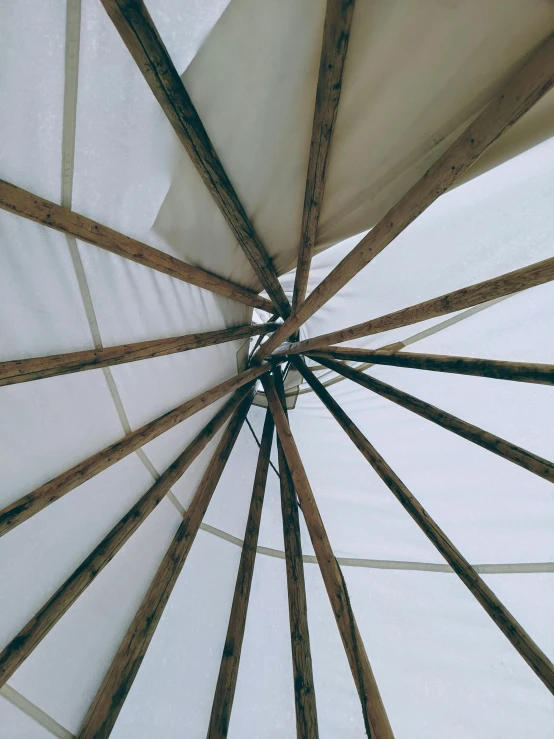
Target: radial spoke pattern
{"x": 276, "y": 343}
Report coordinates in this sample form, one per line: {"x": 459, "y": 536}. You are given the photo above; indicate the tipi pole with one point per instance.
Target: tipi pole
{"x": 109, "y": 700}
{"x": 228, "y": 671}
{"x": 375, "y": 717}
{"x": 30, "y": 636}
{"x": 518, "y": 637}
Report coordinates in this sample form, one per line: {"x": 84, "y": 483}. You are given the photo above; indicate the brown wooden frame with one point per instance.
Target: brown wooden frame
{"x": 517, "y": 96}
{"x": 109, "y": 699}
{"x": 228, "y": 671}
{"x": 28, "y": 505}
{"x": 30, "y": 636}
{"x": 303, "y": 677}
{"x": 466, "y": 297}
{"x": 16, "y": 200}
{"x": 140, "y": 36}
{"x": 541, "y": 374}
{"x": 336, "y": 33}
{"x": 495, "y": 444}
{"x": 37, "y": 368}
{"x": 375, "y": 717}
{"x": 515, "y": 633}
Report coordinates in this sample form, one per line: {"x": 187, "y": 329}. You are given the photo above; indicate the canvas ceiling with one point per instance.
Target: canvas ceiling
{"x": 416, "y": 72}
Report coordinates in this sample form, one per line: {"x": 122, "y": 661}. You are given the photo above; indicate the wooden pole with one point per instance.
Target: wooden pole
{"x": 304, "y": 690}
{"x": 228, "y": 671}
{"x": 109, "y": 700}
{"x": 25, "y": 370}
{"x": 17, "y": 651}
{"x": 521, "y": 92}
{"x": 35, "y": 208}
{"x": 518, "y": 637}
{"x": 375, "y": 718}
{"x": 542, "y": 374}
{"x": 466, "y": 297}
{"x": 336, "y": 33}
{"x": 513, "y": 453}
{"x": 30, "y": 504}
{"x": 140, "y": 36}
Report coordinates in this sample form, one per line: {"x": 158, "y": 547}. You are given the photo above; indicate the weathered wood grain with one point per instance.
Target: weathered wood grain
{"x": 137, "y": 29}
{"x": 520, "y": 93}
{"x": 304, "y": 690}
{"x": 109, "y": 700}
{"x": 30, "y": 636}
{"x": 227, "y": 679}
{"x": 35, "y": 208}
{"x": 505, "y": 449}
{"x": 466, "y": 297}
{"x": 23, "y": 508}
{"x": 515, "y": 633}
{"x": 37, "y": 368}
{"x": 375, "y": 717}
{"x": 336, "y": 33}
{"x": 542, "y": 374}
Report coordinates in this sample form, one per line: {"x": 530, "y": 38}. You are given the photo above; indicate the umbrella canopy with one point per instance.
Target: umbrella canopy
{"x": 149, "y": 242}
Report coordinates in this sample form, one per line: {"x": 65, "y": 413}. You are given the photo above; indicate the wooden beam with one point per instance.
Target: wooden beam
{"x": 228, "y": 671}
{"x": 23, "y": 508}
{"x": 541, "y": 374}
{"x": 17, "y": 651}
{"x": 375, "y": 718}
{"x": 109, "y": 700}
{"x": 137, "y": 29}
{"x": 521, "y": 92}
{"x": 304, "y": 690}
{"x": 25, "y": 370}
{"x": 336, "y": 33}
{"x": 466, "y": 297}
{"x": 518, "y": 637}
{"x": 23, "y": 203}
{"x": 505, "y": 449}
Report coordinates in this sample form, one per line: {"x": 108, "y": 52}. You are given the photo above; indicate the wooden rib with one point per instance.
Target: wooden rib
{"x": 304, "y": 690}
{"x": 513, "y": 453}
{"x": 228, "y": 671}
{"x": 375, "y": 718}
{"x": 25, "y": 370}
{"x": 336, "y": 33}
{"x": 542, "y": 374}
{"x": 136, "y": 28}
{"x": 519, "y": 638}
{"x": 17, "y": 651}
{"x": 109, "y": 700}
{"x": 524, "y": 89}
{"x": 466, "y": 297}
{"x": 35, "y": 208}
{"x": 30, "y": 504}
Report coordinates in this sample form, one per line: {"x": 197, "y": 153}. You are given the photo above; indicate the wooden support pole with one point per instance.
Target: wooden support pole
{"x": 25, "y": 370}
{"x": 542, "y": 374}
{"x": 140, "y": 36}
{"x": 17, "y": 651}
{"x": 228, "y": 671}
{"x": 505, "y": 449}
{"x": 520, "y": 93}
{"x": 23, "y": 508}
{"x": 518, "y": 637}
{"x": 466, "y": 297}
{"x": 23, "y": 203}
{"x": 109, "y": 700}
{"x": 304, "y": 690}
{"x": 336, "y": 33}
{"x": 375, "y": 718}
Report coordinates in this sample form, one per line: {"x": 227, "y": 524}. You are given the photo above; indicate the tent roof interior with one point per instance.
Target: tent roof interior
{"x": 82, "y": 129}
